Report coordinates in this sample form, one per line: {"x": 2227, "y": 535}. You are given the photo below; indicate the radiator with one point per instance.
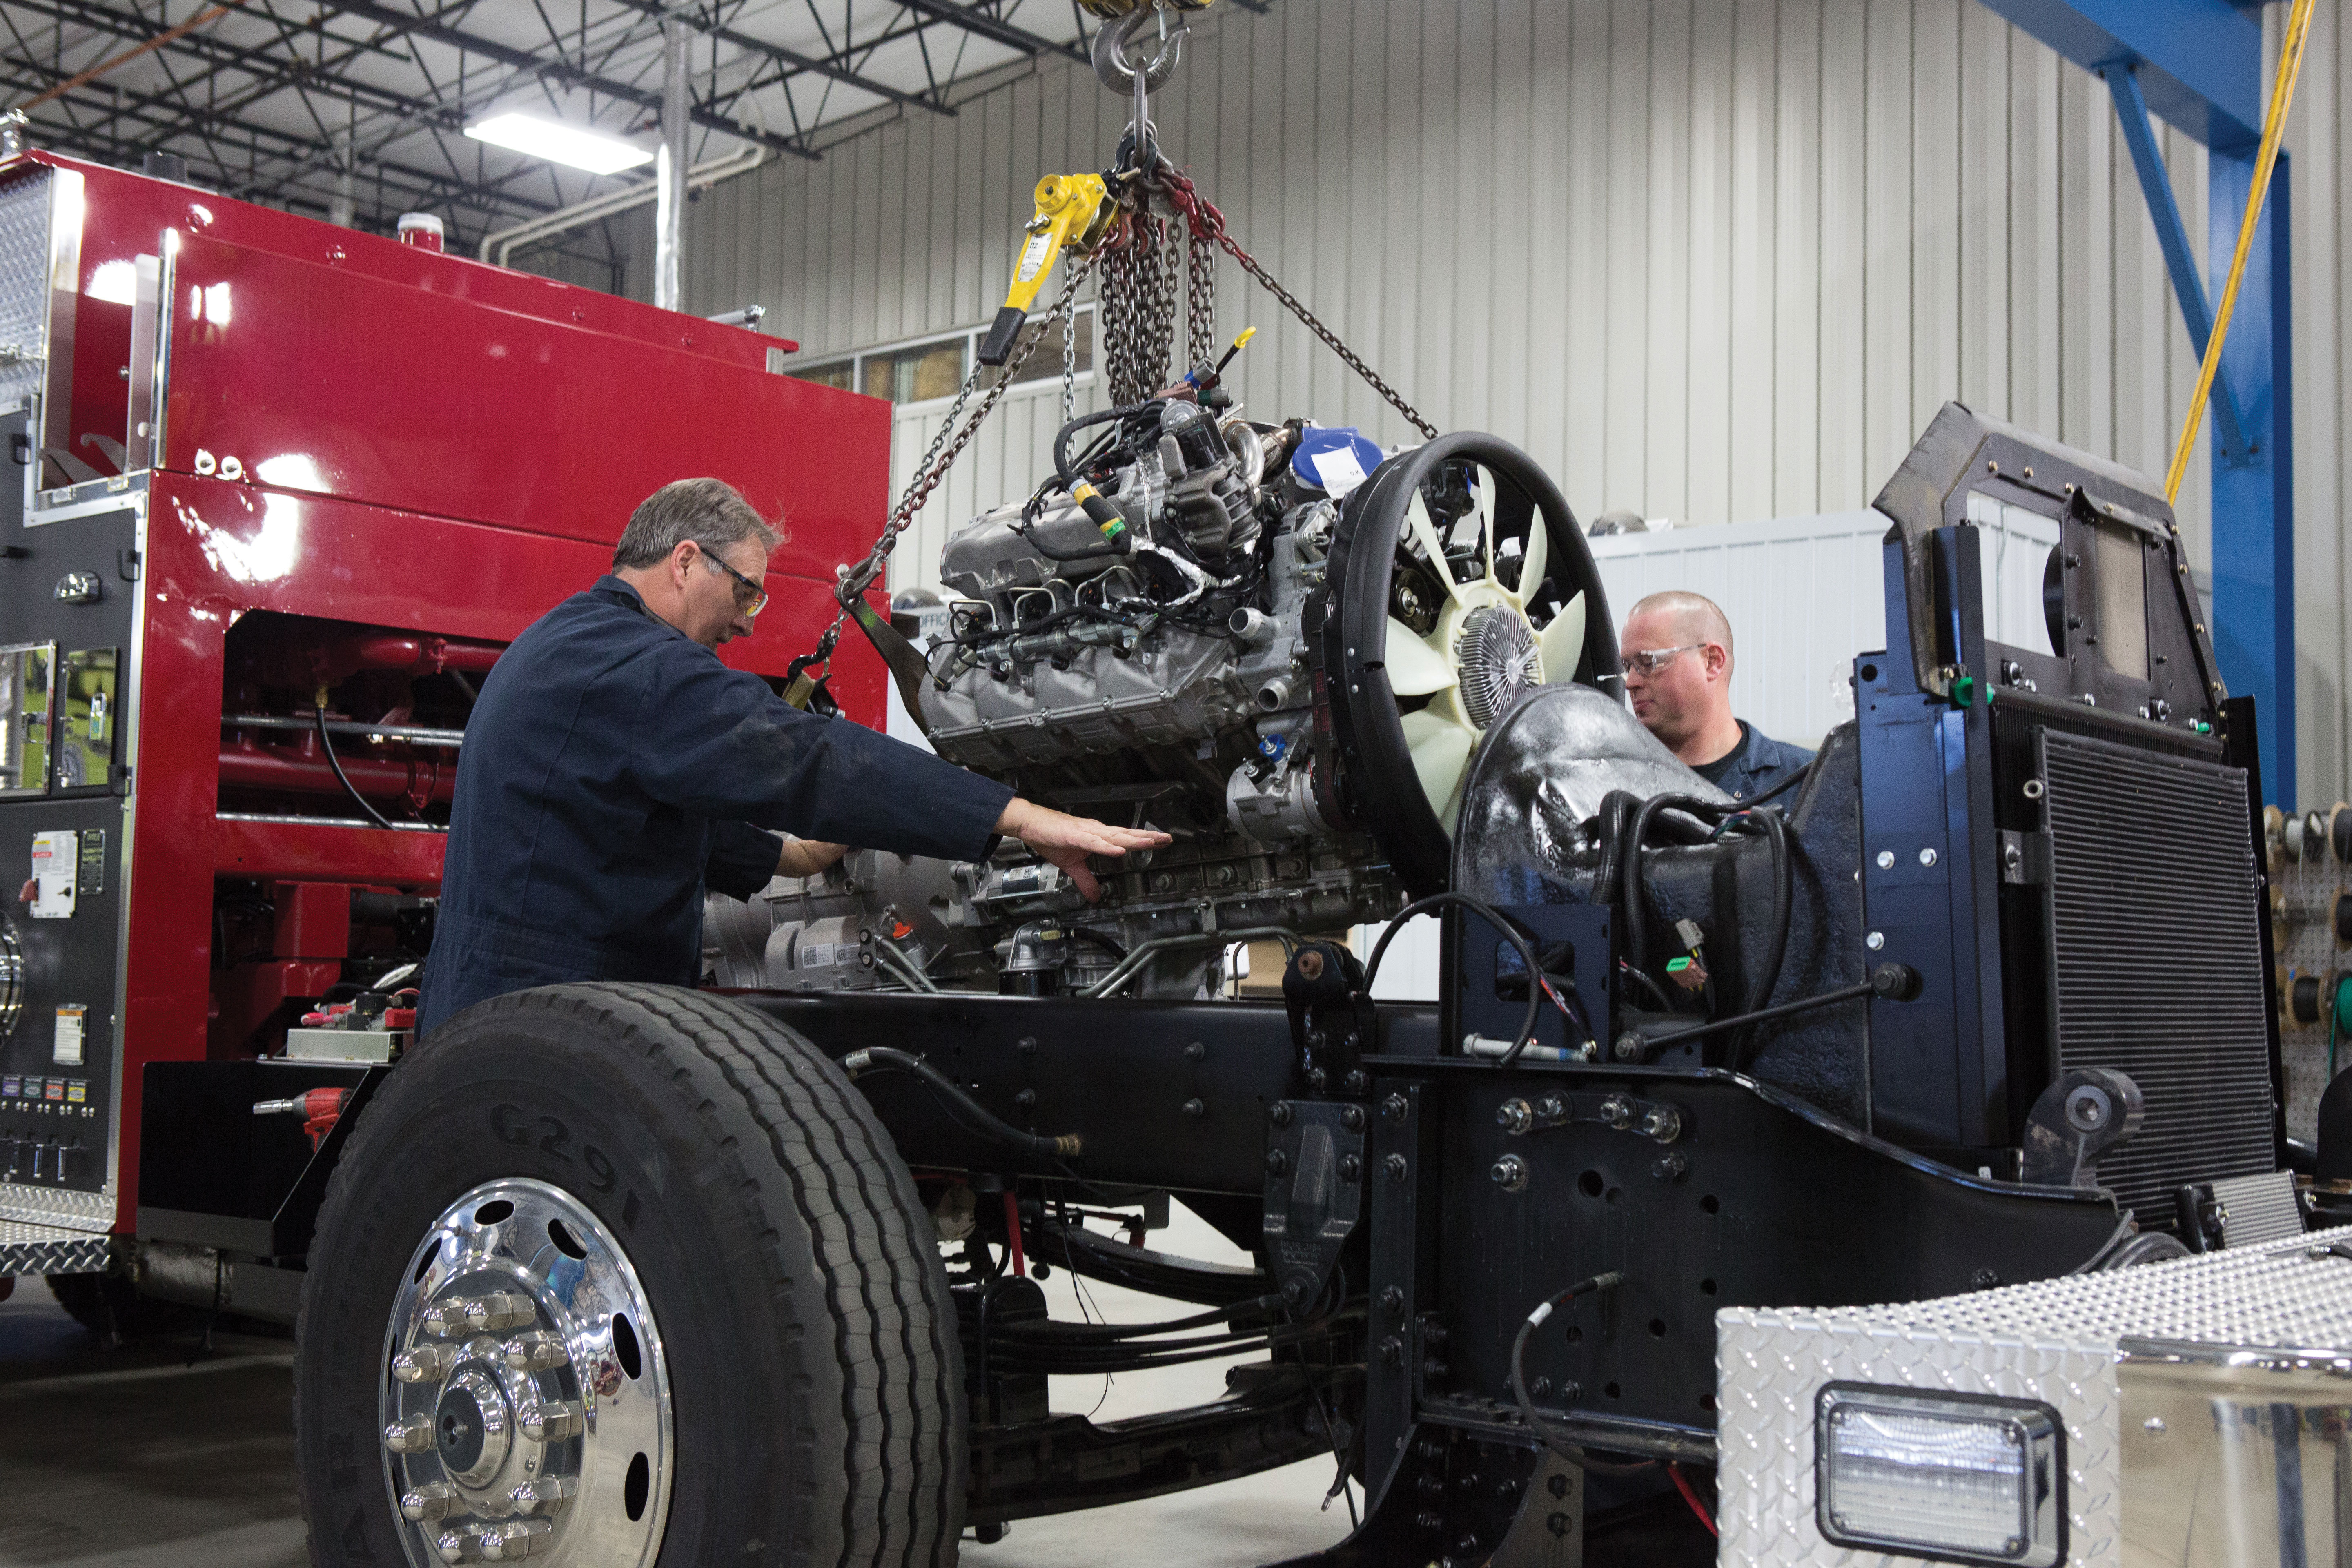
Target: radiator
{"x": 2155, "y": 959}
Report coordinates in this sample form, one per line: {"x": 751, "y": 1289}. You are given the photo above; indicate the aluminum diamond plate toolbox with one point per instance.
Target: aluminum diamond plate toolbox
{"x": 45, "y": 1250}
{"x": 2206, "y": 1404}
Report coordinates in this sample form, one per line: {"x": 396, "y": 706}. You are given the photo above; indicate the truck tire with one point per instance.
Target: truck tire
{"x": 620, "y": 1274}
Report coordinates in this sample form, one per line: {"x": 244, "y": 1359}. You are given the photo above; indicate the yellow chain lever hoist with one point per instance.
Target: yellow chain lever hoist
{"x": 1073, "y": 210}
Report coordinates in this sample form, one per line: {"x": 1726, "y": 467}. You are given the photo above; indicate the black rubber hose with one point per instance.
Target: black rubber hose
{"x": 1493, "y": 917}
{"x": 1616, "y": 807}
{"x": 1544, "y": 1308}
{"x": 1786, "y": 785}
{"x": 1634, "y": 915}
{"x": 1062, "y": 440}
{"x": 341, "y": 777}
{"x": 976, "y": 1117}
{"x": 1783, "y": 897}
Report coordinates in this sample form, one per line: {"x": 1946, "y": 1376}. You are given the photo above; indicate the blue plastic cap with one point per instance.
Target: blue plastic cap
{"x": 1334, "y": 458}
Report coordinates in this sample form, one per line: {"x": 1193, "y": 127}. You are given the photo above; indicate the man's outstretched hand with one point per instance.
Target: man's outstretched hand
{"x": 1066, "y": 841}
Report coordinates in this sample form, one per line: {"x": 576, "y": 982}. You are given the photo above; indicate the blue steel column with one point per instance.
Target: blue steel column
{"x": 2253, "y": 499}
{"x": 2198, "y": 64}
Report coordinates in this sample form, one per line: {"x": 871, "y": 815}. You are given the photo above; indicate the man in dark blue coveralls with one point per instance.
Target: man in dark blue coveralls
{"x": 1677, "y": 653}
{"x": 613, "y": 769}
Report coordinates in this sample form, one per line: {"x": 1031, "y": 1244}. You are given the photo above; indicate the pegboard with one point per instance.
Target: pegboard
{"x": 2304, "y": 888}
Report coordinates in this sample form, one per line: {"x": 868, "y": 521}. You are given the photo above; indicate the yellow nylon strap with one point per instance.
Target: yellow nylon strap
{"x": 2290, "y": 64}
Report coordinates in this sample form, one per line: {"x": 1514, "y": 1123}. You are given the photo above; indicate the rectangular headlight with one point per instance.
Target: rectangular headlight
{"x": 1959, "y": 1478}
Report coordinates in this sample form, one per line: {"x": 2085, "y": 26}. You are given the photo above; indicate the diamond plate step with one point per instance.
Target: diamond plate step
{"x": 46, "y": 1250}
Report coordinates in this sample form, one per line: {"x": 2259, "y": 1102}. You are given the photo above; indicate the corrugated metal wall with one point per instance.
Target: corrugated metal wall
{"x": 1706, "y": 259}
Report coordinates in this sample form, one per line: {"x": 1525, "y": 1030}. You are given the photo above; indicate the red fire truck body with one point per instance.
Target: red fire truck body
{"x": 298, "y": 464}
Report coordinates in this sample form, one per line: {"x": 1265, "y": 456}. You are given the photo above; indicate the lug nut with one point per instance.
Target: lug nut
{"x": 551, "y": 1422}
{"x": 534, "y": 1351}
{"x": 433, "y": 1500}
{"x": 1351, "y": 1168}
{"x": 409, "y": 1435}
{"x": 1277, "y": 1162}
{"x": 425, "y": 1364}
{"x": 1281, "y": 1113}
{"x": 1617, "y": 1112}
{"x": 458, "y": 1546}
{"x": 545, "y": 1495}
{"x": 1510, "y": 1173}
{"x": 1662, "y": 1122}
{"x": 1395, "y": 1108}
{"x": 478, "y": 1314}
{"x": 1515, "y": 1115}
{"x": 1394, "y": 1166}
{"x": 517, "y": 1539}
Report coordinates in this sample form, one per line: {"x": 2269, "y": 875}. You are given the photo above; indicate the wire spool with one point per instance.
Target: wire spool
{"x": 2343, "y": 919}
{"x": 2304, "y": 995}
{"x": 2291, "y": 836}
{"x": 2273, "y": 834}
{"x": 2314, "y": 836}
{"x": 2339, "y": 832}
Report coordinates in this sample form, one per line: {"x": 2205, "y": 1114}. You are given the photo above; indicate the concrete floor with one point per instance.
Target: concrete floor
{"x": 136, "y": 1459}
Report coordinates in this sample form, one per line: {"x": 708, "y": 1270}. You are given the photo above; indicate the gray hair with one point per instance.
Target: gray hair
{"x": 712, "y": 512}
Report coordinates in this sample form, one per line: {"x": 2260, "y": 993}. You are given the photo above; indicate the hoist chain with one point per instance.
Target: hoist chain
{"x": 1207, "y": 223}
{"x": 1200, "y": 300}
{"x": 946, "y": 446}
{"x": 1135, "y": 328}
{"x": 1139, "y": 305}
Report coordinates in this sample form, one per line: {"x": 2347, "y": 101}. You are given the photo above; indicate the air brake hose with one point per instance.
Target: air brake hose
{"x": 975, "y": 1117}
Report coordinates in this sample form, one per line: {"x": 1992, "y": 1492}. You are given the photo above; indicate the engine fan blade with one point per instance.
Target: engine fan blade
{"x": 1424, "y": 533}
{"x": 1531, "y": 569}
{"x": 1561, "y": 644}
{"x": 1415, "y": 668}
{"x": 1441, "y": 745}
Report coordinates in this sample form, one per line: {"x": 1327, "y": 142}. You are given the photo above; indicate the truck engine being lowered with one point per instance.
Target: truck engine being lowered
{"x": 1168, "y": 663}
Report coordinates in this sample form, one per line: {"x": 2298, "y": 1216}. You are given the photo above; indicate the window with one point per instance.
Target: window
{"x": 1045, "y": 364}
{"x": 915, "y": 374}
{"x": 934, "y": 369}
{"x": 840, "y": 373}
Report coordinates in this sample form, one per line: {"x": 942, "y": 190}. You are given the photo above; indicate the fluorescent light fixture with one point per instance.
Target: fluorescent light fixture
{"x": 1961, "y": 1478}
{"x": 559, "y": 143}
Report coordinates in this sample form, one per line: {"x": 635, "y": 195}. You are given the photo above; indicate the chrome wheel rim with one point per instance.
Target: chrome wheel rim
{"x": 525, "y": 1391}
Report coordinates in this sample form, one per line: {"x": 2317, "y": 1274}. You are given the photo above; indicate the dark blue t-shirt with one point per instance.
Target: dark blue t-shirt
{"x": 614, "y": 767}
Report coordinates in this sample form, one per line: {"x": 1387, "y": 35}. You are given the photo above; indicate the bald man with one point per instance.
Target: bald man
{"x": 1677, "y": 653}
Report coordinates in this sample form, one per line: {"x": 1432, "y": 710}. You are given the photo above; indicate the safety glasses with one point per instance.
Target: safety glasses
{"x": 749, "y": 597}
{"x": 1649, "y": 661}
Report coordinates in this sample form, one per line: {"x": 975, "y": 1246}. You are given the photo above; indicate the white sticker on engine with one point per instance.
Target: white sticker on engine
{"x": 69, "y": 1041}
{"x": 57, "y": 860}
{"x": 1339, "y": 471}
{"x": 819, "y": 956}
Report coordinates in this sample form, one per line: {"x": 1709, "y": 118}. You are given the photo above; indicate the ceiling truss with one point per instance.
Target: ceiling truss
{"x": 313, "y": 104}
